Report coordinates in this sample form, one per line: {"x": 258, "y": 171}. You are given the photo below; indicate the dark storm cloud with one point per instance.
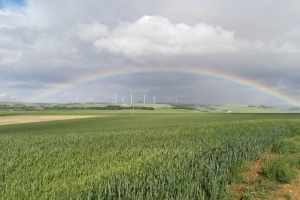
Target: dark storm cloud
{"x": 45, "y": 43}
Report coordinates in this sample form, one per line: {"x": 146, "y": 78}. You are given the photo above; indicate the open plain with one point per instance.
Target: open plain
{"x": 154, "y": 154}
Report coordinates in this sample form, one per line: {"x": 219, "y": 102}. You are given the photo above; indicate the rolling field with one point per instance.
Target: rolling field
{"x": 150, "y": 155}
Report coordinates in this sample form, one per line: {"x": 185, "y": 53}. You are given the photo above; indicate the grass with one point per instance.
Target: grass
{"x": 286, "y": 146}
{"x": 279, "y": 169}
{"x": 280, "y": 166}
{"x": 296, "y": 161}
{"x": 287, "y": 196}
{"x": 143, "y": 156}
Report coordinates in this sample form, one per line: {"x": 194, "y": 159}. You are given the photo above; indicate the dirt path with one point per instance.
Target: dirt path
{"x": 273, "y": 191}
{"x": 292, "y": 189}
{"x": 39, "y": 118}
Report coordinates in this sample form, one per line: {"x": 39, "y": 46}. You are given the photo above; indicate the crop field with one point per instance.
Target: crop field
{"x": 37, "y": 118}
{"x": 149, "y": 155}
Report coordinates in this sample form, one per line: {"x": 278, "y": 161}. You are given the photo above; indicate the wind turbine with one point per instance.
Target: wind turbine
{"x": 154, "y": 98}
{"x": 116, "y": 101}
{"x": 131, "y": 98}
{"x": 144, "y": 98}
{"x": 122, "y": 100}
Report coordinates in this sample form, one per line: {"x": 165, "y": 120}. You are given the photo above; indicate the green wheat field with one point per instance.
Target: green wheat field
{"x": 160, "y": 154}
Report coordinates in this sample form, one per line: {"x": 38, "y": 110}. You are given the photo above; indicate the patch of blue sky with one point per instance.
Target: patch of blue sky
{"x": 11, "y": 3}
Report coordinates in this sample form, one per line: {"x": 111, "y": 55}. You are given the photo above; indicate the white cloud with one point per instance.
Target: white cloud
{"x": 293, "y": 35}
{"x": 90, "y": 32}
{"x": 11, "y": 18}
{"x": 10, "y": 57}
{"x": 281, "y": 86}
{"x": 156, "y": 35}
{"x": 286, "y": 49}
{"x": 4, "y": 40}
{"x": 3, "y": 95}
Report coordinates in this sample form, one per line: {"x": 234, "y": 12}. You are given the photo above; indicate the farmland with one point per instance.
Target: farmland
{"x": 161, "y": 154}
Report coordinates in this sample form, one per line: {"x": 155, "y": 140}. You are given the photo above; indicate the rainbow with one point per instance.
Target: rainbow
{"x": 107, "y": 74}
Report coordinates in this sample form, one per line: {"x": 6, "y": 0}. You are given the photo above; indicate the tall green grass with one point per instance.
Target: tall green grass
{"x": 145, "y": 157}
{"x": 285, "y": 146}
{"x": 280, "y": 170}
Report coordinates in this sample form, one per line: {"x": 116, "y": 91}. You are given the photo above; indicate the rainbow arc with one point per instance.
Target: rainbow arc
{"x": 113, "y": 73}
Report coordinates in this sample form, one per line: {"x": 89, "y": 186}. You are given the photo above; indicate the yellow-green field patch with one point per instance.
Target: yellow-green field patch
{"x": 39, "y": 118}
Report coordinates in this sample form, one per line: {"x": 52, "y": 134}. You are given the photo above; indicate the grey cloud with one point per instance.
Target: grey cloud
{"x": 90, "y": 32}
{"x": 44, "y": 43}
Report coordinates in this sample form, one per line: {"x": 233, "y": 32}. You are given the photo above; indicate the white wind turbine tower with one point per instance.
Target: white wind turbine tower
{"x": 132, "y": 100}
{"x": 154, "y": 99}
{"x": 131, "y": 97}
{"x": 116, "y": 99}
{"x": 122, "y": 100}
{"x": 144, "y": 98}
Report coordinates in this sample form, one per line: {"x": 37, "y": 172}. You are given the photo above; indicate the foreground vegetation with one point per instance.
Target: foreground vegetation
{"x": 275, "y": 175}
{"x": 144, "y": 156}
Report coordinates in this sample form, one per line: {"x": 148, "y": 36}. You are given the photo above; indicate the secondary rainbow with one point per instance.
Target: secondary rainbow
{"x": 112, "y": 73}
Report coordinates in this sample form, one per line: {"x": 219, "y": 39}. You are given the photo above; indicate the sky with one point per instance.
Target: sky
{"x": 63, "y": 51}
